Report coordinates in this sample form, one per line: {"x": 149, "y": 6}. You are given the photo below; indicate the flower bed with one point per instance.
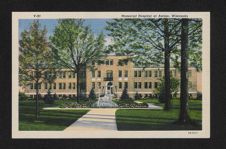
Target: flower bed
{"x": 130, "y": 104}
{"x": 86, "y": 104}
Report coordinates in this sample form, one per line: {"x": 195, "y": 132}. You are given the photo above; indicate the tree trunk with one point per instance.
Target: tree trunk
{"x": 166, "y": 66}
{"x": 184, "y": 117}
{"x": 78, "y": 84}
{"x": 36, "y": 99}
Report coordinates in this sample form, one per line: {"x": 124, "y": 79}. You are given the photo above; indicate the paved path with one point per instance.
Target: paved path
{"x": 96, "y": 119}
{"x": 151, "y": 106}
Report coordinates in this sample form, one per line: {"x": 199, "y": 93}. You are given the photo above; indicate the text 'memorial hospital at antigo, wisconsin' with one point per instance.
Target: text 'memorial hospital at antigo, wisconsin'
{"x": 116, "y": 73}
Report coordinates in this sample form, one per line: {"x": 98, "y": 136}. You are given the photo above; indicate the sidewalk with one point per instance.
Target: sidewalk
{"x": 96, "y": 119}
{"x": 151, "y": 106}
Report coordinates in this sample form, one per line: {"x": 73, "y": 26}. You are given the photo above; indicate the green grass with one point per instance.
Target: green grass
{"x": 48, "y": 119}
{"x": 145, "y": 119}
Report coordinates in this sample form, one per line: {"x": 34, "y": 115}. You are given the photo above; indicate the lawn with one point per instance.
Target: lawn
{"x": 48, "y": 119}
{"x": 145, "y": 119}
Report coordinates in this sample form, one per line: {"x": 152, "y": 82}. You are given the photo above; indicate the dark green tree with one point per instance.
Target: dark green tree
{"x": 92, "y": 94}
{"x": 124, "y": 95}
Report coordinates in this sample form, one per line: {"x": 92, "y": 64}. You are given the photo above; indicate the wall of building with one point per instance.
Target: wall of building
{"x": 111, "y": 63}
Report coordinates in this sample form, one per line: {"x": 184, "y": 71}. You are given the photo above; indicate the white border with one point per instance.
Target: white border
{"x": 204, "y": 133}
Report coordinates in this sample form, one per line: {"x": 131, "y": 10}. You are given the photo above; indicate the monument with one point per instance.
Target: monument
{"x": 106, "y": 100}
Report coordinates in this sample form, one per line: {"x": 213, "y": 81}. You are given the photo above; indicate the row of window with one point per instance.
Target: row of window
{"x": 70, "y": 85}
{"x": 137, "y": 85}
{"x": 111, "y": 62}
{"x": 137, "y": 73}
{"x": 146, "y": 85}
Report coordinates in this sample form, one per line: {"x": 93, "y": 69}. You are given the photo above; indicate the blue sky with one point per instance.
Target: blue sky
{"x": 97, "y": 25}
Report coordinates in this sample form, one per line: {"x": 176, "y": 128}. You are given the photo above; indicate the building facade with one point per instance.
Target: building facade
{"x": 114, "y": 73}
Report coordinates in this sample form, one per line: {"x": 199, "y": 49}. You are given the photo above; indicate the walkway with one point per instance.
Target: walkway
{"x": 151, "y": 106}
{"x": 96, "y": 119}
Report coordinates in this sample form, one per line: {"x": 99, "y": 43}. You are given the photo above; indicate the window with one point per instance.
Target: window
{"x": 73, "y": 74}
{"x": 145, "y": 84}
{"x": 160, "y": 73}
{"x": 64, "y": 74}
{"x": 135, "y": 73}
{"x": 99, "y": 74}
{"x": 171, "y": 73}
{"x": 126, "y": 73}
{"x": 99, "y": 84}
{"x": 120, "y": 73}
{"x": 126, "y": 84}
{"x": 146, "y": 74}
{"x": 73, "y": 85}
{"x": 50, "y": 86}
{"x": 40, "y": 85}
{"x": 69, "y": 74}
{"x": 107, "y": 62}
{"x": 109, "y": 74}
{"x": 120, "y": 85}
{"x": 189, "y": 73}
{"x": 93, "y": 74}
{"x": 139, "y": 84}
{"x": 31, "y": 86}
{"x": 46, "y": 85}
{"x": 139, "y": 73}
{"x": 156, "y": 84}
{"x": 59, "y": 74}
{"x": 150, "y": 85}
{"x": 64, "y": 85}
{"x": 150, "y": 73}
{"x": 69, "y": 86}
{"x": 60, "y": 85}
{"x": 93, "y": 85}
{"x": 135, "y": 84}
{"x": 111, "y": 62}
{"x": 156, "y": 73}
{"x": 54, "y": 86}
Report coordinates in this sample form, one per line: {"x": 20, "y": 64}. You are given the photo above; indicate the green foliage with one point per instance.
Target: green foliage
{"x": 124, "y": 95}
{"x": 35, "y": 55}
{"x": 137, "y": 96}
{"x": 199, "y": 96}
{"x": 92, "y": 94}
{"x": 74, "y": 44}
{"x": 23, "y": 96}
{"x": 174, "y": 87}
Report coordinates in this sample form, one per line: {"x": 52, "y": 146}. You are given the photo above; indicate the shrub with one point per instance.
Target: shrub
{"x": 137, "y": 96}
{"x": 92, "y": 94}
{"x": 124, "y": 94}
{"x": 199, "y": 96}
{"x": 23, "y": 96}
{"x": 48, "y": 99}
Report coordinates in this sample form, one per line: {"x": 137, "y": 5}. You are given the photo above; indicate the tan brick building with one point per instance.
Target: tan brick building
{"x": 115, "y": 73}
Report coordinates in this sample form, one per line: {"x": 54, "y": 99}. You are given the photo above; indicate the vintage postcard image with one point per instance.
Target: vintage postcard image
{"x": 111, "y": 75}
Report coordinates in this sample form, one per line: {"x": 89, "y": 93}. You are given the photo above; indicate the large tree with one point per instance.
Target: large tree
{"x": 147, "y": 39}
{"x": 35, "y": 57}
{"x": 75, "y": 46}
{"x": 190, "y": 46}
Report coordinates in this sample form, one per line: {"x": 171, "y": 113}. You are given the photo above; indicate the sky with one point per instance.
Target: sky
{"x": 97, "y": 25}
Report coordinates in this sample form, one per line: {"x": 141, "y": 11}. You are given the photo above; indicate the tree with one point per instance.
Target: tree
{"x": 75, "y": 46}
{"x": 174, "y": 88}
{"x": 92, "y": 94}
{"x": 124, "y": 95}
{"x": 195, "y": 40}
{"x": 146, "y": 39}
{"x": 35, "y": 57}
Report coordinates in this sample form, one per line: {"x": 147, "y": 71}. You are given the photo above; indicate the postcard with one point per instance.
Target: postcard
{"x": 110, "y": 75}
